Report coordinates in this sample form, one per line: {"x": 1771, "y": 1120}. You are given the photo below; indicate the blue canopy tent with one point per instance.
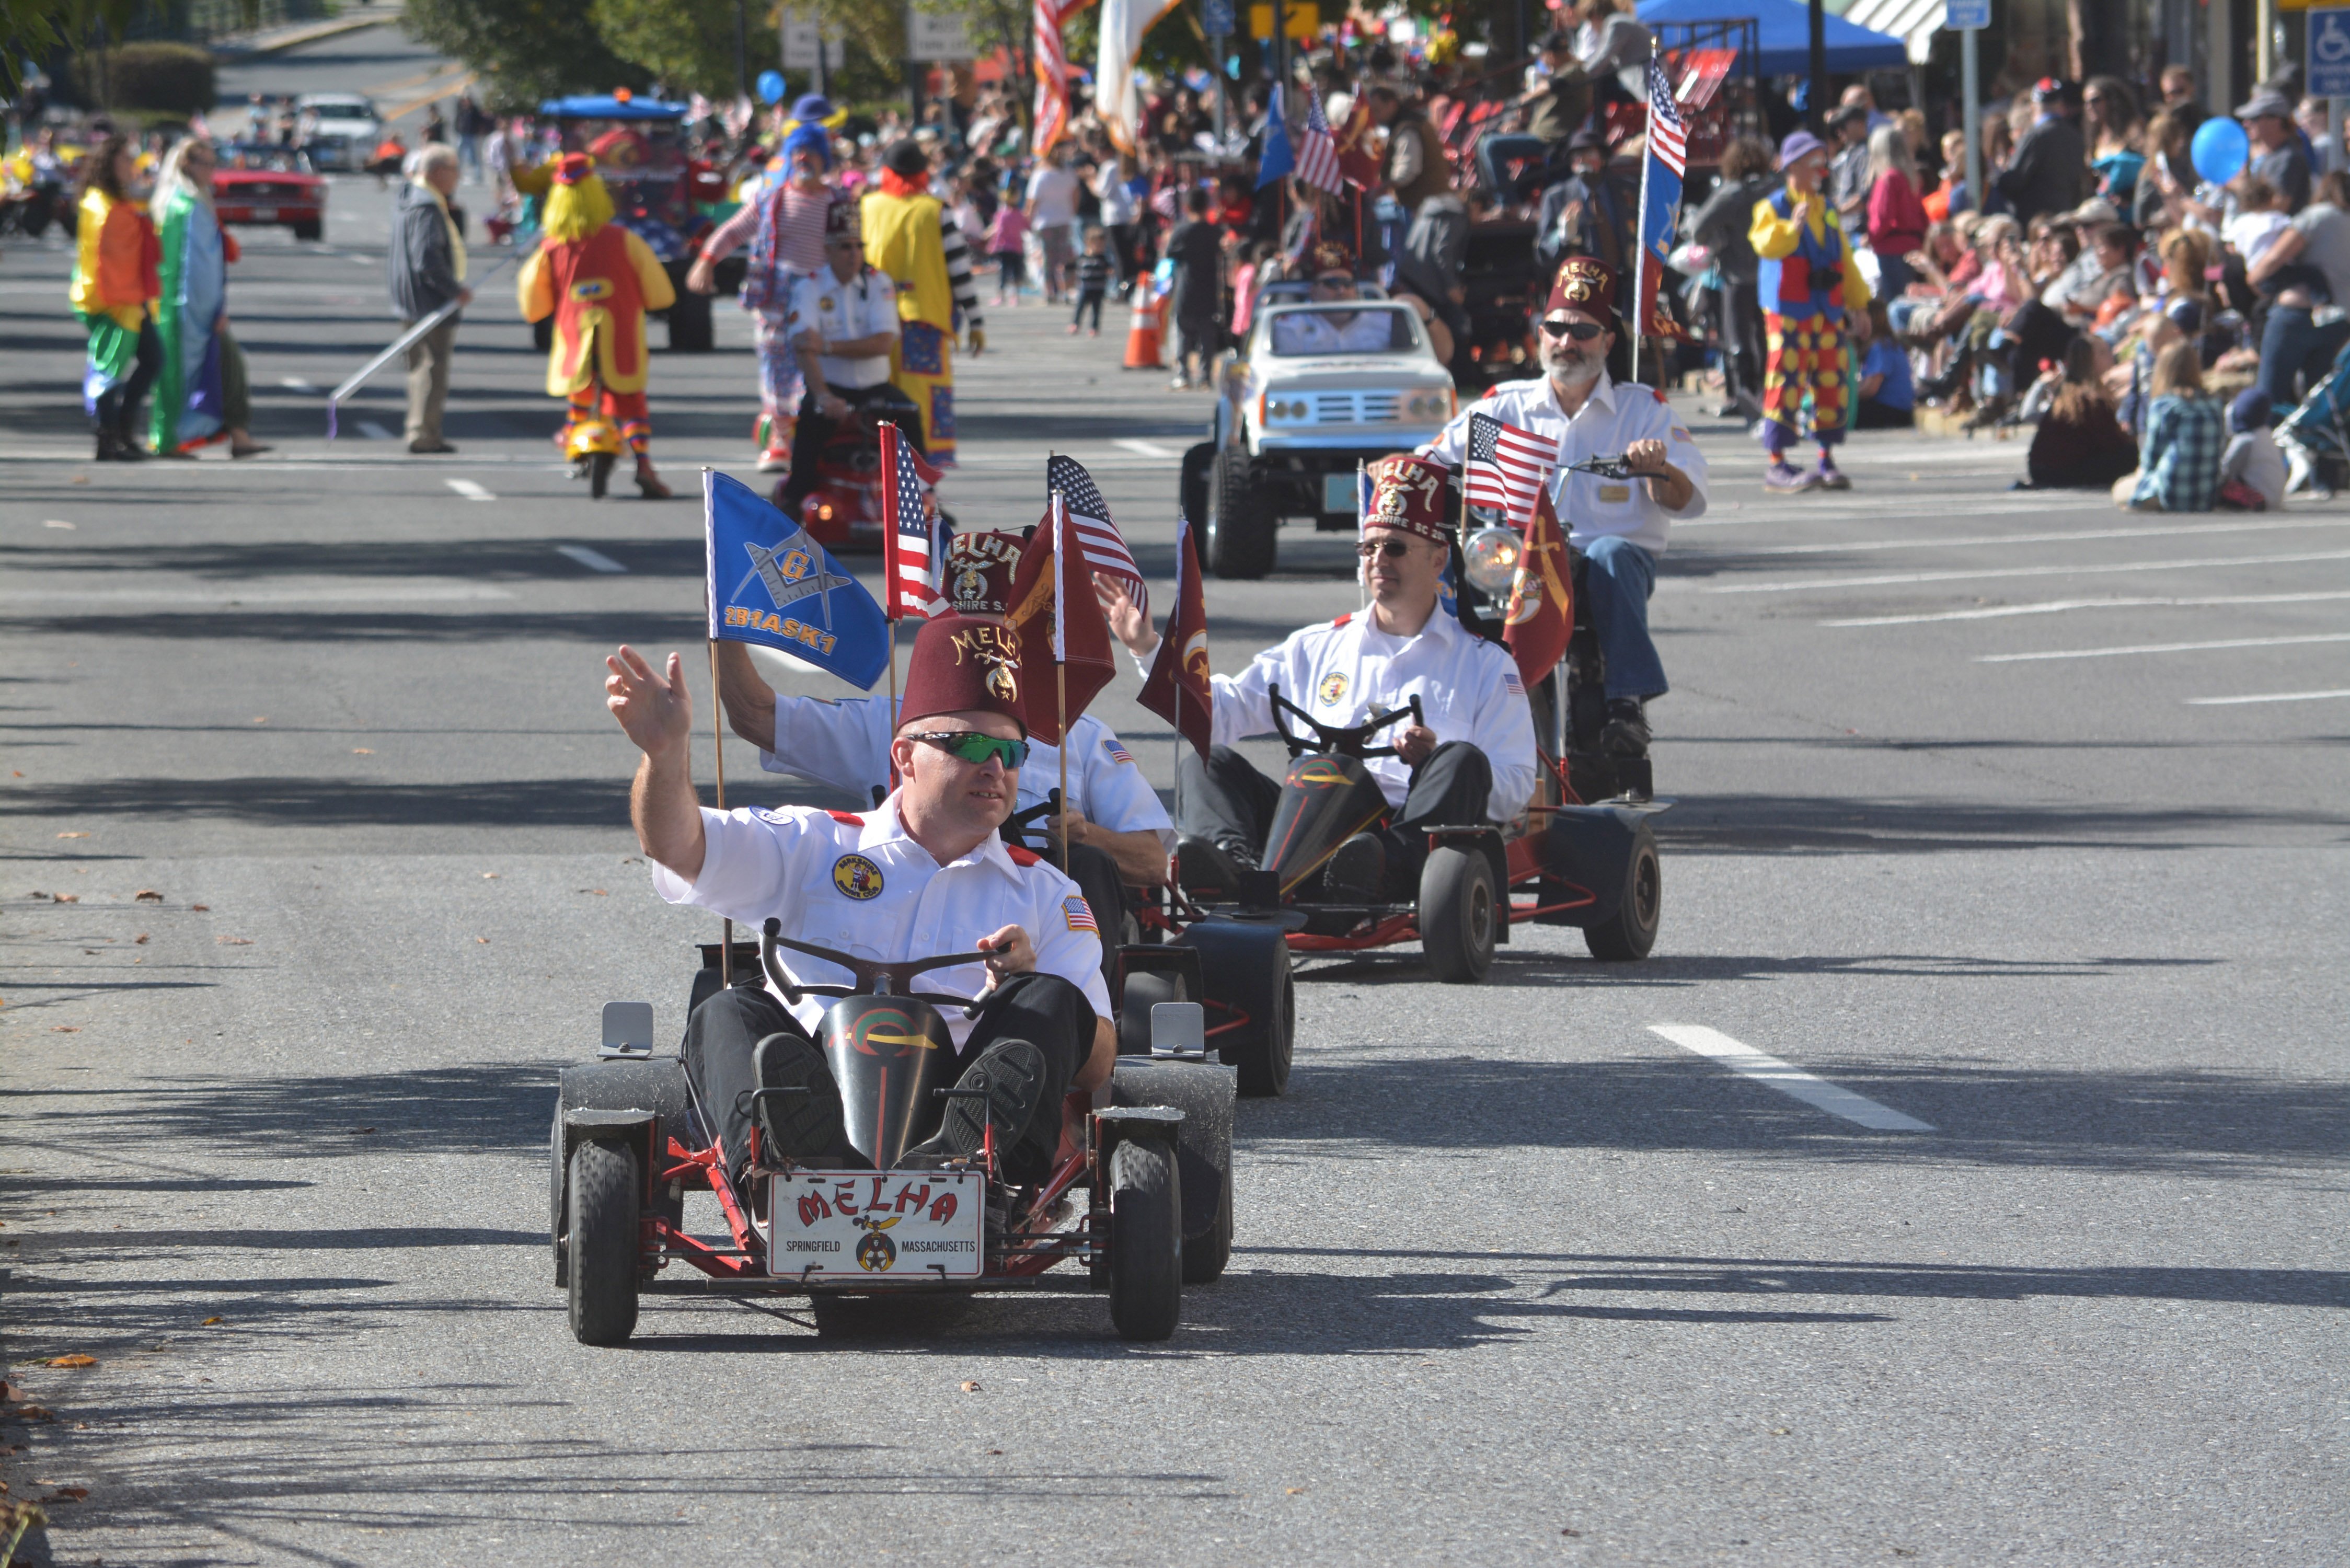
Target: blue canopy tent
{"x": 1784, "y": 29}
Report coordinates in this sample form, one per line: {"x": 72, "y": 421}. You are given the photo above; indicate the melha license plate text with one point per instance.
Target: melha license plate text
{"x": 872, "y": 1226}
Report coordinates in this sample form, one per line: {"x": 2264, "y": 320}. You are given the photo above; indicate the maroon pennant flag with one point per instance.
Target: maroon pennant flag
{"x": 1177, "y": 689}
{"x": 1056, "y": 627}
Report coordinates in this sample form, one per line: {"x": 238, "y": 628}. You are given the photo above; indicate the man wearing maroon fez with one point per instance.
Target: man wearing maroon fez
{"x": 923, "y": 873}
{"x": 1471, "y": 757}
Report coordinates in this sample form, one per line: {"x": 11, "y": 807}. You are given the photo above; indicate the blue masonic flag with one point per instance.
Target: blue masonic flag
{"x": 772, "y": 585}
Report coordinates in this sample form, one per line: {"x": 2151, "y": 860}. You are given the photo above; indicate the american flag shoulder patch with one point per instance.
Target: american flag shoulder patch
{"x": 1079, "y": 914}
{"x": 1517, "y": 687}
{"x": 1117, "y": 753}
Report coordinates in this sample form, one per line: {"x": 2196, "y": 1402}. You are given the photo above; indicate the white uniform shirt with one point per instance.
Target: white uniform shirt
{"x": 846, "y": 744}
{"x": 842, "y": 312}
{"x": 1344, "y": 672}
{"x": 1314, "y": 332}
{"x": 858, "y": 885}
{"x": 1612, "y": 417}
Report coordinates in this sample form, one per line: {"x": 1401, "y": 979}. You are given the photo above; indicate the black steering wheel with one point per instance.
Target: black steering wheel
{"x": 873, "y": 978}
{"x": 1350, "y": 742}
{"x": 1015, "y": 827}
{"x": 1613, "y": 466}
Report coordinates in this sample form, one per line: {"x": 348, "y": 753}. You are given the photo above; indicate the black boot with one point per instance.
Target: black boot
{"x": 107, "y": 447}
{"x": 1626, "y": 733}
{"x": 1202, "y": 866}
{"x": 1009, "y": 1079}
{"x": 1359, "y": 871}
{"x": 127, "y": 447}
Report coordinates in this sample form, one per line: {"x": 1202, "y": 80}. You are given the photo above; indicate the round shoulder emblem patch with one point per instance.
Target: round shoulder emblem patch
{"x": 856, "y": 877}
{"x": 1333, "y": 690}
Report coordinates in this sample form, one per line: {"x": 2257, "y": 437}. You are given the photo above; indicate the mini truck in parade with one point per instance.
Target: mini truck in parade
{"x": 1317, "y": 391}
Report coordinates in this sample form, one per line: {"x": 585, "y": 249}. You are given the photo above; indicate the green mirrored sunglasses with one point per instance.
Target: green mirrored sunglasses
{"x": 976, "y": 748}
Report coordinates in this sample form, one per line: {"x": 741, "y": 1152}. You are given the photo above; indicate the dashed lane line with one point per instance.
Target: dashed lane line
{"x": 1890, "y": 579}
{"x": 2163, "y": 647}
{"x": 2266, "y": 697}
{"x": 1934, "y": 542}
{"x": 470, "y": 489}
{"x": 2059, "y": 607}
{"x": 594, "y": 560}
{"x": 1787, "y": 1078}
{"x": 1144, "y": 447}
{"x": 373, "y": 431}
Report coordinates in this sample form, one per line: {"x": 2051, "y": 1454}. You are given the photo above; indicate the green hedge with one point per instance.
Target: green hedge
{"x": 173, "y": 79}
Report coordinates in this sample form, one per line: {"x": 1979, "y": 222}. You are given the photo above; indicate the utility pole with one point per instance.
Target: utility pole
{"x": 742, "y": 54}
{"x": 1818, "y": 96}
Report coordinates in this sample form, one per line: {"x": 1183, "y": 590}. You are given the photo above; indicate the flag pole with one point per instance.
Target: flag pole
{"x": 1640, "y": 236}
{"x": 1060, "y": 652}
{"x": 718, "y": 744}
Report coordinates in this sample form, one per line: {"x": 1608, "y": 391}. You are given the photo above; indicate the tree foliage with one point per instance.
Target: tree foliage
{"x": 525, "y": 50}
{"x": 688, "y": 45}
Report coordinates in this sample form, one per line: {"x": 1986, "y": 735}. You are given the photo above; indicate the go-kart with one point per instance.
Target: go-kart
{"x": 592, "y": 446}
{"x": 1142, "y": 1196}
{"x": 1561, "y": 863}
{"x": 841, "y": 505}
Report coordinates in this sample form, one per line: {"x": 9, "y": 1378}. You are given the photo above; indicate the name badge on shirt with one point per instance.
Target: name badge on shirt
{"x": 1610, "y": 494}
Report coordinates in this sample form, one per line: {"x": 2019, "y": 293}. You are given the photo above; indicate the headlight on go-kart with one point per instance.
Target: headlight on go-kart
{"x": 1492, "y": 555}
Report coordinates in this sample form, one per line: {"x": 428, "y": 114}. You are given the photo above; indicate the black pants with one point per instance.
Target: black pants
{"x": 1225, "y": 799}
{"x": 118, "y": 406}
{"x": 1088, "y": 297}
{"x": 1742, "y": 346}
{"x": 1045, "y": 1009}
{"x": 816, "y": 428}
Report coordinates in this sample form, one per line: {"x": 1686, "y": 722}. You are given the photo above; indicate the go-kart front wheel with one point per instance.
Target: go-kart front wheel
{"x": 604, "y": 1244}
{"x": 1631, "y": 931}
{"x": 1457, "y": 913}
{"x": 600, "y": 474}
{"x": 1145, "y": 1240}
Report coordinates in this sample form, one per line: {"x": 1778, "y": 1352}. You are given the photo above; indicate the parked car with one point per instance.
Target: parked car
{"x": 269, "y": 187}
{"x": 340, "y": 129}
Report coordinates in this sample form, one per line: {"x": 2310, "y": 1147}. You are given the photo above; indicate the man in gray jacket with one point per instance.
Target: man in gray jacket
{"x": 428, "y": 270}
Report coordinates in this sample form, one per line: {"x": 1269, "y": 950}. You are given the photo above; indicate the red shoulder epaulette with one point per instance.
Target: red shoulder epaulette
{"x": 1344, "y": 619}
{"x": 1021, "y": 856}
{"x": 1658, "y": 393}
{"x": 850, "y": 817}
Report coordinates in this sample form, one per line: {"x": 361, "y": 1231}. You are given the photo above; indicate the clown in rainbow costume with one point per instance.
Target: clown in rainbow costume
{"x": 1812, "y": 292}
{"x": 598, "y": 280}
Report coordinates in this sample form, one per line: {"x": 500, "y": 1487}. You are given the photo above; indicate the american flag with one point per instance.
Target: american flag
{"x": 1099, "y": 544}
{"x": 1667, "y": 133}
{"x": 1052, "y": 66}
{"x": 1507, "y": 467}
{"x": 1317, "y": 151}
{"x": 1080, "y": 915}
{"x": 914, "y": 536}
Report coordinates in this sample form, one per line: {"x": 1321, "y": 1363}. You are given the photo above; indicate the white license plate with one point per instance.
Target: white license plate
{"x": 264, "y": 214}
{"x": 1338, "y": 493}
{"x": 911, "y": 1226}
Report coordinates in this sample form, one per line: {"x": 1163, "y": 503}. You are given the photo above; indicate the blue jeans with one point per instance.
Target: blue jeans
{"x": 2291, "y": 343}
{"x": 1493, "y": 152}
{"x": 1621, "y": 577}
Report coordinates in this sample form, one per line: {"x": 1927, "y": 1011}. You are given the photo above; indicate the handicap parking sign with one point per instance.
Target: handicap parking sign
{"x": 2329, "y": 52}
{"x": 1965, "y": 14}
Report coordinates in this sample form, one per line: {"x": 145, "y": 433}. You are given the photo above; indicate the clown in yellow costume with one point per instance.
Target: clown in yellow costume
{"x": 1812, "y": 292}
{"x": 597, "y": 280}
{"x": 909, "y": 238}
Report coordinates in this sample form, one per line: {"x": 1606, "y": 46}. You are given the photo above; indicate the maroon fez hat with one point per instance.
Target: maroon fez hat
{"x": 1585, "y": 284}
{"x": 1408, "y": 494}
{"x": 842, "y": 216}
{"x": 963, "y": 664}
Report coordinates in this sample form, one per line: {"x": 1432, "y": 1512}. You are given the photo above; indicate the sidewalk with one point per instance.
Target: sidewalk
{"x": 237, "y": 47}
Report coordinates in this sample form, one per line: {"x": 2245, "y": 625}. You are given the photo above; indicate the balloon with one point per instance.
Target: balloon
{"x": 2220, "y": 150}
{"x": 771, "y": 86}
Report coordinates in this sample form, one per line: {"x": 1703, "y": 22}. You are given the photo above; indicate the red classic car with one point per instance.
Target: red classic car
{"x": 257, "y": 183}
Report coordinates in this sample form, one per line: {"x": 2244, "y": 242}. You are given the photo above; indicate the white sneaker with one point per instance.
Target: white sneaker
{"x": 773, "y": 462}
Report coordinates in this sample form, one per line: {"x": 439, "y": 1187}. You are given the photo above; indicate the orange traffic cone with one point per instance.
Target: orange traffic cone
{"x": 1142, "y": 330}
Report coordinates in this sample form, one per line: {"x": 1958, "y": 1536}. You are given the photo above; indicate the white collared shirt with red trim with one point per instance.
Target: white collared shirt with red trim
{"x": 1347, "y": 670}
{"x": 857, "y": 884}
{"x": 1613, "y": 417}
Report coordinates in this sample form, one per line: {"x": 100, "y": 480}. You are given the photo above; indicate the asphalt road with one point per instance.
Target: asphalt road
{"x": 1991, "y": 810}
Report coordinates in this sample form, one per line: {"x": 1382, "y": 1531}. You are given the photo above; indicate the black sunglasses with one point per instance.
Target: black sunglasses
{"x": 971, "y": 746}
{"x": 1581, "y": 331}
{"x": 1393, "y": 549}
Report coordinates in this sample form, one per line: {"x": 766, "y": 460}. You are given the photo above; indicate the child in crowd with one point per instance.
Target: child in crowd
{"x": 1094, "y": 269}
{"x": 1007, "y": 239}
{"x": 1888, "y": 397}
{"x": 2252, "y": 471}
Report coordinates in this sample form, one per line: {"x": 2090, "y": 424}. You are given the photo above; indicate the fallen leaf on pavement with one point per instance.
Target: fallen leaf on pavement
{"x": 361, "y": 752}
{"x": 202, "y": 908}
{"x": 81, "y": 479}
{"x": 489, "y": 876}
{"x": 235, "y": 941}
{"x": 76, "y": 1359}
{"x": 1292, "y": 1490}
{"x": 33, "y": 1412}
{"x": 9, "y": 1392}
{"x": 73, "y": 836}
{"x": 146, "y": 895}
{"x": 261, "y": 720}
{"x": 67, "y": 898}
{"x": 484, "y": 940}
{"x": 970, "y": 1386}
{"x": 139, "y": 941}
{"x": 210, "y": 1321}
{"x": 362, "y": 1129}
{"x": 67, "y": 1494}
{"x": 64, "y": 1028}
{"x": 1570, "y": 1532}
{"x": 599, "y": 892}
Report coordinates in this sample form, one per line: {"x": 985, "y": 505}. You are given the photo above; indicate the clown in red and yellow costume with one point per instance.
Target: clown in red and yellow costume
{"x": 597, "y": 280}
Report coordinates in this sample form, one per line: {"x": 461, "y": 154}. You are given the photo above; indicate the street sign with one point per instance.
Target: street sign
{"x": 2329, "y": 52}
{"x": 800, "y": 37}
{"x": 1216, "y": 19}
{"x": 1965, "y": 14}
{"x": 930, "y": 36}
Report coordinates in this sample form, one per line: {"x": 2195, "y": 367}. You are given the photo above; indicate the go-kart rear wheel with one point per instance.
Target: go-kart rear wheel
{"x": 604, "y": 1245}
{"x": 1631, "y": 931}
{"x": 1143, "y": 992}
{"x": 1457, "y": 914}
{"x": 1145, "y": 1240}
{"x": 1199, "y": 461}
{"x": 1252, "y": 1000}
{"x": 1240, "y": 535}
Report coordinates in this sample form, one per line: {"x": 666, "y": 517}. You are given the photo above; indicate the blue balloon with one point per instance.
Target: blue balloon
{"x": 2220, "y": 150}
{"x": 771, "y": 86}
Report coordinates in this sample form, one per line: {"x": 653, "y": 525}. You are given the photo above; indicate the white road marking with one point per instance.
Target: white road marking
{"x": 2265, "y": 697}
{"x": 240, "y": 599}
{"x": 1885, "y": 579}
{"x": 373, "y": 431}
{"x": 1143, "y": 447}
{"x": 2163, "y": 647}
{"x": 54, "y": 522}
{"x": 1787, "y": 1078}
{"x": 1932, "y": 542}
{"x": 296, "y": 384}
{"x": 469, "y": 489}
{"x": 2057, "y": 607}
{"x": 594, "y": 560}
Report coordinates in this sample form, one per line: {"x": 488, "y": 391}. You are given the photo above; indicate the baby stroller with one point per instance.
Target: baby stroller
{"x": 2316, "y": 435}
